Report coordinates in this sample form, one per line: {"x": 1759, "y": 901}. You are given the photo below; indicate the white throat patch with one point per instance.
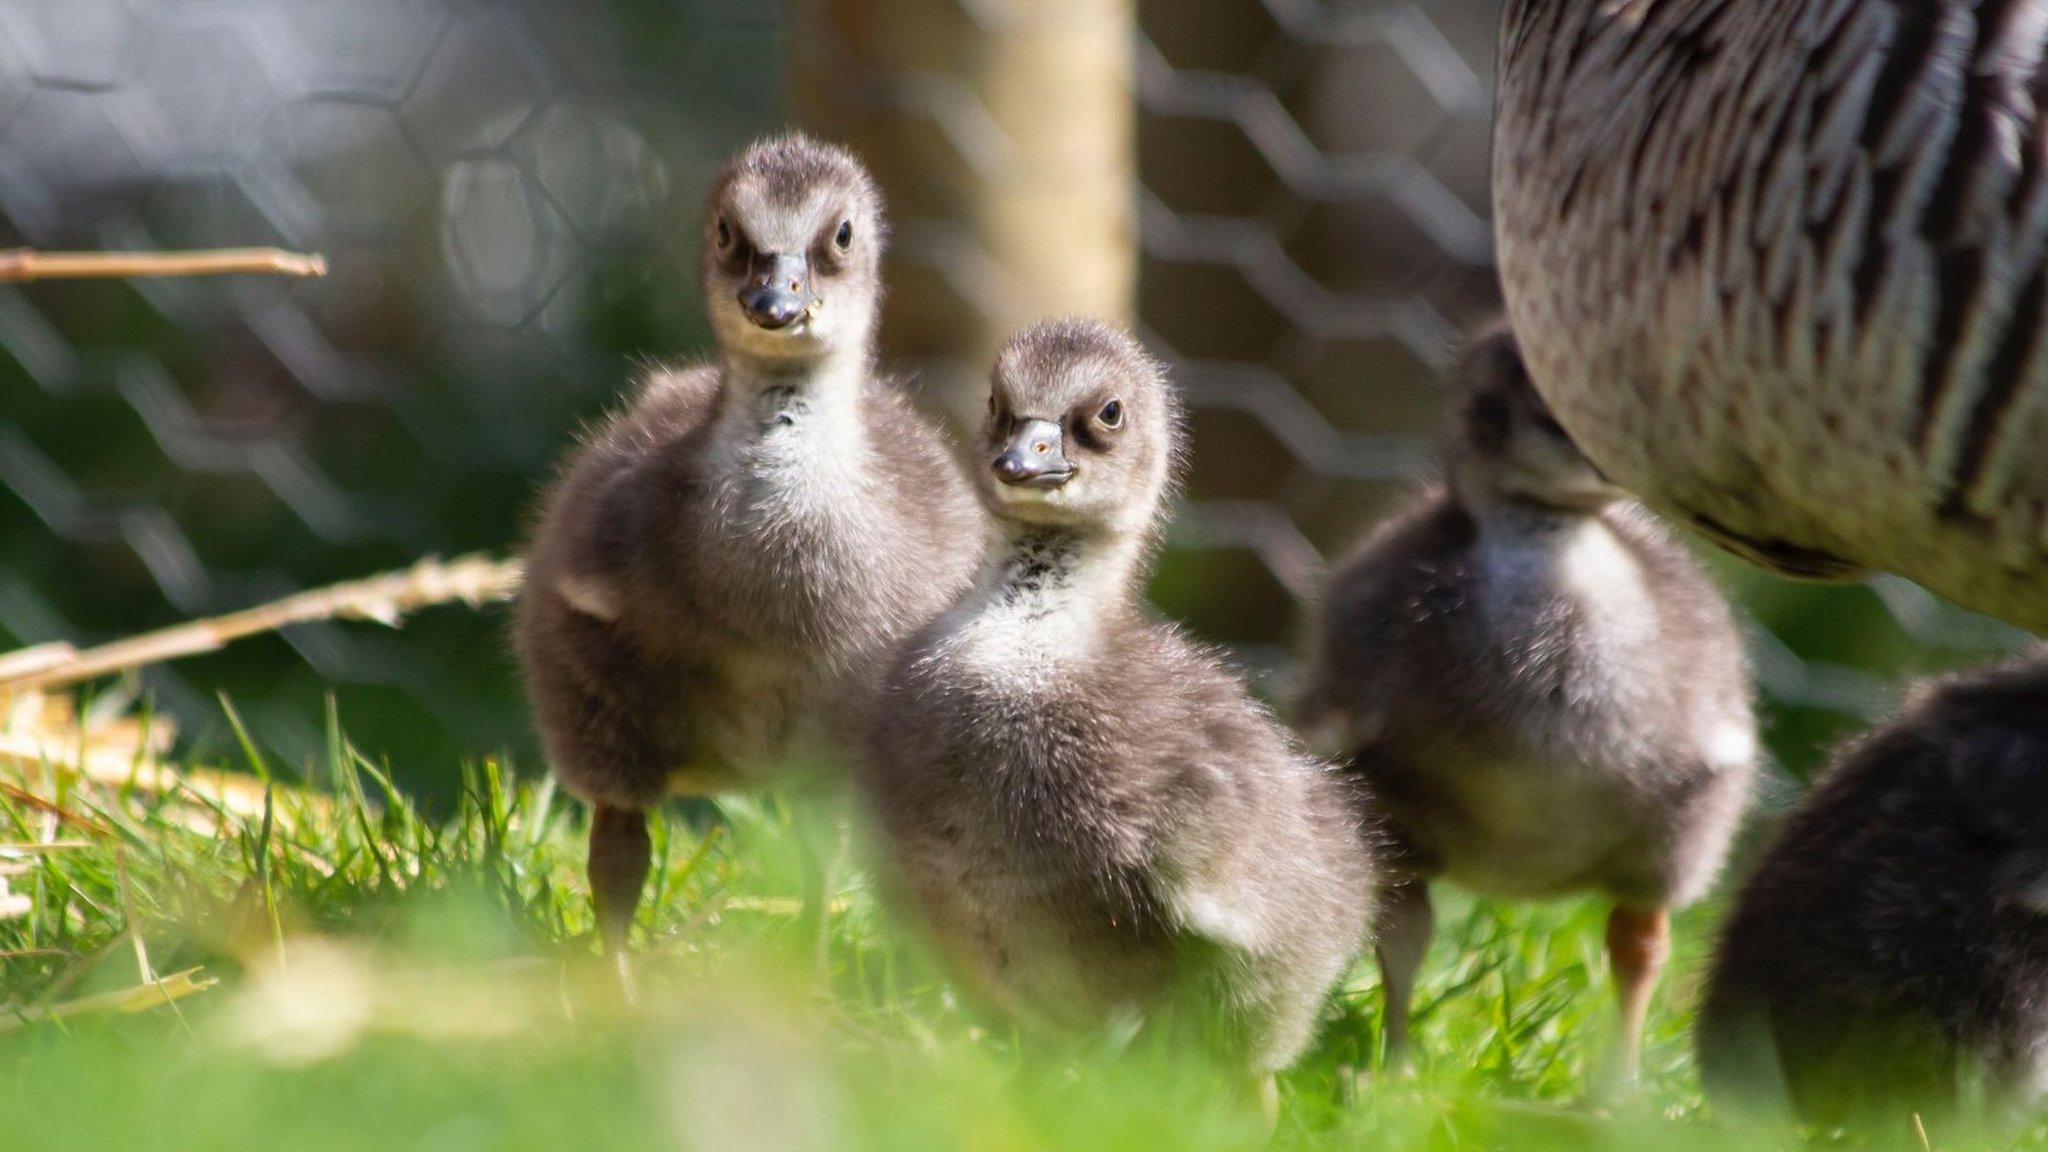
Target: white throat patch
{"x": 1036, "y": 608}
{"x": 1584, "y": 562}
{"x": 796, "y": 447}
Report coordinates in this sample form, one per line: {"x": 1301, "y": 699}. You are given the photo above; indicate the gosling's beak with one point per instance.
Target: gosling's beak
{"x": 1034, "y": 458}
{"x": 1597, "y": 481}
{"x": 778, "y": 290}
{"x": 1590, "y": 493}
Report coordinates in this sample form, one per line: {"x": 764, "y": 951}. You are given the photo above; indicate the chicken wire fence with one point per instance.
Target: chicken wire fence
{"x": 507, "y": 193}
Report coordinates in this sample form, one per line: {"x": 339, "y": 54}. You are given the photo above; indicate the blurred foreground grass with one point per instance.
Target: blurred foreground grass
{"x": 392, "y": 980}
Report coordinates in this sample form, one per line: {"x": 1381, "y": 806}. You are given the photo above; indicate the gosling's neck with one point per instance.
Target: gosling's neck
{"x": 1046, "y": 571}
{"x": 1500, "y": 507}
{"x": 764, "y": 394}
{"x": 1526, "y": 519}
{"x": 1043, "y": 599}
{"x": 767, "y": 400}
{"x": 1530, "y": 551}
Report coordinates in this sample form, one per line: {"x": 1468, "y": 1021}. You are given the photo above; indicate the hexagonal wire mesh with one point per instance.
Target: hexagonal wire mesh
{"x": 507, "y": 193}
{"x": 1316, "y": 230}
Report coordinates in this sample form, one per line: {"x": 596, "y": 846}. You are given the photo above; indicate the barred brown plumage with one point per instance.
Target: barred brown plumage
{"x": 1782, "y": 269}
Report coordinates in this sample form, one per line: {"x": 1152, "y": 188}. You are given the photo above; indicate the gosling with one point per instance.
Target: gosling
{"x": 723, "y": 567}
{"x": 1541, "y": 690}
{"x": 1890, "y": 954}
{"x": 1093, "y": 818}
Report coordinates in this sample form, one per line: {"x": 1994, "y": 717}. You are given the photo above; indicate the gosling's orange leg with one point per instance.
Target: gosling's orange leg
{"x": 1638, "y": 944}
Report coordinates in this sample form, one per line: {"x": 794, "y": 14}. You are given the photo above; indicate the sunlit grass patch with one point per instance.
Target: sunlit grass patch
{"x": 394, "y": 977}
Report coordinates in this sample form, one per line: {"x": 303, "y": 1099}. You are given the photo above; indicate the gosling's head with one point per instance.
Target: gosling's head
{"x": 1505, "y": 446}
{"x": 1082, "y": 430}
{"x": 792, "y": 252}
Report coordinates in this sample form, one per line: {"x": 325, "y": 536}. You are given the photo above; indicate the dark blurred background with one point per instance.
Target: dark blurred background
{"x": 1287, "y": 198}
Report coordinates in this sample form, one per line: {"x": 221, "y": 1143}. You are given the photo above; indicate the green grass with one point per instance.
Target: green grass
{"x": 390, "y": 979}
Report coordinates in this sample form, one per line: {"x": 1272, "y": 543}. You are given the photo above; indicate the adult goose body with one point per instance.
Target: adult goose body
{"x": 1781, "y": 268}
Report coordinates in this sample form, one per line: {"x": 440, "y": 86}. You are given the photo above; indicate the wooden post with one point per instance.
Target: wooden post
{"x": 1003, "y": 132}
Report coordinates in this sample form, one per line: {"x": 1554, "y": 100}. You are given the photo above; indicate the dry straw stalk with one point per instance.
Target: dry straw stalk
{"x": 20, "y": 265}
{"x": 38, "y": 729}
{"x": 386, "y": 599}
{"x": 140, "y": 998}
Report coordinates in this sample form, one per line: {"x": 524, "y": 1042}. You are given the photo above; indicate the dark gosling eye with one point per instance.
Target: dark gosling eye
{"x": 845, "y": 237}
{"x": 1112, "y": 414}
